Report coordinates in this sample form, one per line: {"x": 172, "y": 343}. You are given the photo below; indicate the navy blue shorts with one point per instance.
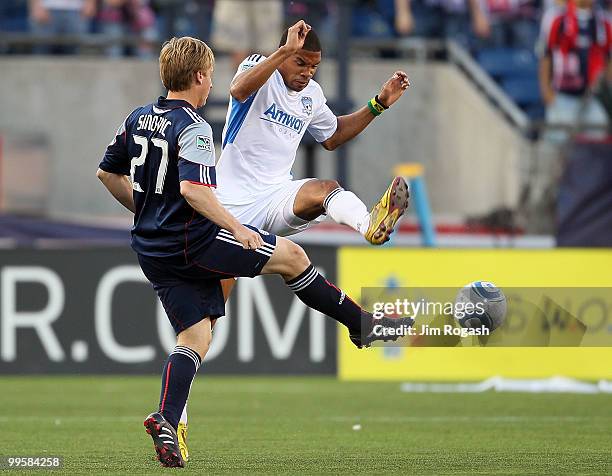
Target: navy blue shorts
{"x": 189, "y": 287}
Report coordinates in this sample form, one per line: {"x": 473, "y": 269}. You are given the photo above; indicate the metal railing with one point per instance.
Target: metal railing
{"x": 94, "y": 42}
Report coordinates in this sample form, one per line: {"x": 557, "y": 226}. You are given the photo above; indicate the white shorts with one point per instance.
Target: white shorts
{"x": 272, "y": 211}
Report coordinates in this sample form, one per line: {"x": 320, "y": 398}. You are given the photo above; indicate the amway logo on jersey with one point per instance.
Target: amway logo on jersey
{"x": 280, "y": 117}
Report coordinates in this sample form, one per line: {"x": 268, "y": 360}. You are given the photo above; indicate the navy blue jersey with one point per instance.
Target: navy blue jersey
{"x": 158, "y": 146}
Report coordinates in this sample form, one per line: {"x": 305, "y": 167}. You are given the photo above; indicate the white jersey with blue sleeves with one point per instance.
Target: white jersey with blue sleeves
{"x": 262, "y": 134}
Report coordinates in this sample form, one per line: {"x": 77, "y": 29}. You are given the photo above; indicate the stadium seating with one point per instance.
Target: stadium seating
{"x": 524, "y": 91}
{"x": 13, "y": 15}
{"x": 516, "y": 70}
{"x": 504, "y": 62}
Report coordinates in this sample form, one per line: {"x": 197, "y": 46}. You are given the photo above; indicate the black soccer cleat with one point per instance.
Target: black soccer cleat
{"x": 384, "y": 329}
{"x": 165, "y": 441}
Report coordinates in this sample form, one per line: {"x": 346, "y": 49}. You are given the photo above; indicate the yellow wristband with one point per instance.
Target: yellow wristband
{"x": 375, "y": 108}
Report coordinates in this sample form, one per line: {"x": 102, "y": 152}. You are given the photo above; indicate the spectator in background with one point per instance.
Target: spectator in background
{"x": 142, "y": 24}
{"x": 122, "y": 18}
{"x": 200, "y": 17}
{"x": 322, "y": 15}
{"x": 550, "y": 10}
{"x": 113, "y": 23}
{"x": 184, "y": 18}
{"x": 396, "y": 14}
{"x": 383, "y": 19}
{"x": 403, "y": 21}
{"x": 242, "y": 26}
{"x": 513, "y": 23}
{"x": 461, "y": 20}
{"x": 577, "y": 55}
{"x": 550, "y": 5}
{"x": 60, "y": 17}
{"x": 316, "y": 11}
{"x": 370, "y": 19}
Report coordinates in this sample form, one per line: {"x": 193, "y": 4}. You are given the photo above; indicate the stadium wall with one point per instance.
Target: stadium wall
{"x": 75, "y": 105}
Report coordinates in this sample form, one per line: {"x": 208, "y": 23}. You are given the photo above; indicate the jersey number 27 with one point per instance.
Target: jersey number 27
{"x": 143, "y": 142}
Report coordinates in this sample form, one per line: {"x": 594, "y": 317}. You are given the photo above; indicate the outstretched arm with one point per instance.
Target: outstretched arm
{"x": 353, "y": 124}
{"x": 349, "y": 126}
{"x": 249, "y": 81}
{"x": 119, "y": 186}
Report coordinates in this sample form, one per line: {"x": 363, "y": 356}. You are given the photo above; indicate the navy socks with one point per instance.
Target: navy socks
{"x": 318, "y": 293}
{"x": 179, "y": 371}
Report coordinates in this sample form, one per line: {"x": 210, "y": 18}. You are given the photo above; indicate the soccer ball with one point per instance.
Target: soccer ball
{"x": 487, "y": 308}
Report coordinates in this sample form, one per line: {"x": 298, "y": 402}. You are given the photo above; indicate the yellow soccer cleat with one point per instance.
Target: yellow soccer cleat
{"x": 386, "y": 213}
{"x": 182, "y": 440}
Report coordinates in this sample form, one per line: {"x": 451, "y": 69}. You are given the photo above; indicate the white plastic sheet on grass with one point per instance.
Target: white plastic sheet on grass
{"x": 502, "y": 384}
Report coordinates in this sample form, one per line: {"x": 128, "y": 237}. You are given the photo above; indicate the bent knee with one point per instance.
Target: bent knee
{"x": 201, "y": 345}
{"x": 327, "y": 187}
{"x": 197, "y": 338}
{"x": 297, "y": 257}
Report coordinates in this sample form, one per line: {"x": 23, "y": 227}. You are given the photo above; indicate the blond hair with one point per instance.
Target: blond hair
{"x": 180, "y": 59}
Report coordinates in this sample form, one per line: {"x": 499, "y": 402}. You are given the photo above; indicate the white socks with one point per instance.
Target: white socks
{"x": 346, "y": 208}
{"x": 184, "y": 415}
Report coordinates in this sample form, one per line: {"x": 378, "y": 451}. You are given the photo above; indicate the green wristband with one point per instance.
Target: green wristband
{"x": 375, "y": 108}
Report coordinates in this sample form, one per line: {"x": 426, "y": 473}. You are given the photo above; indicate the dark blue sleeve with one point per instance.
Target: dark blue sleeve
{"x": 197, "y": 173}
{"x": 116, "y": 159}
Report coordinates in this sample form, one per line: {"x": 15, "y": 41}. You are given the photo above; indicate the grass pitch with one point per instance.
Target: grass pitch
{"x": 305, "y": 425}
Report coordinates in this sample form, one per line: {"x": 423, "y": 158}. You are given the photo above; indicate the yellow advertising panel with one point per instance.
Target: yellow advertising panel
{"x": 409, "y": 268}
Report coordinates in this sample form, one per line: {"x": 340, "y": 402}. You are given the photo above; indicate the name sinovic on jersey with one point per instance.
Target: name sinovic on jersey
{"x": 152, "y": 123}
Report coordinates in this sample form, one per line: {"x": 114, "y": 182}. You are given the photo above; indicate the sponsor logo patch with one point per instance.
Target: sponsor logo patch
{"x": 204, "y": 143}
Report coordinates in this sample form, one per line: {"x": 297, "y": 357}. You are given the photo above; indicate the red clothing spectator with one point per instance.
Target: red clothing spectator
{"x": 513, "y": 23}
{"x": 577, "y": 52}
{"x": 579, "y": 44}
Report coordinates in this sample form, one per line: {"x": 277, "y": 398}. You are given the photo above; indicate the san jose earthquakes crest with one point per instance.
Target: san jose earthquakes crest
{"x": 307, "y": 105}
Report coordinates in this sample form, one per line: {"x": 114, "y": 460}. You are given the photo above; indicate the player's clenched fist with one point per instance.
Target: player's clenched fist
{"x": 296, "y": 36}
{"x": 394, "y": 88}
{"x": 250, "y": 240}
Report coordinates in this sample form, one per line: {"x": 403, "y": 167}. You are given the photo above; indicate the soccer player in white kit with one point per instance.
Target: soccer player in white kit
{"x": 273, "y": 102}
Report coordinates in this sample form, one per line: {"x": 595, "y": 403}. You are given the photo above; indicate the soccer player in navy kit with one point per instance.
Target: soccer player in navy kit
{"x": 186, "y": 241}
